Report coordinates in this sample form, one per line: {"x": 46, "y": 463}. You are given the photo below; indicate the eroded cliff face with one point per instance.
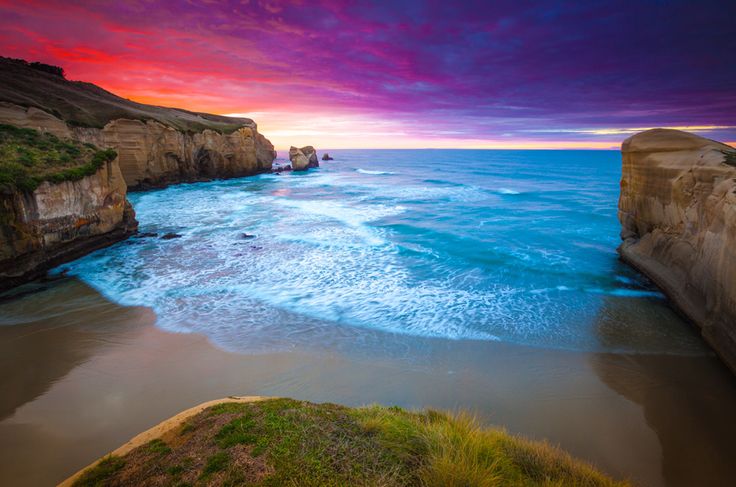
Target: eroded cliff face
{"x": 678, "y": 215}
{"x": 60, "y": 222}
{"x": 154, "y": 155}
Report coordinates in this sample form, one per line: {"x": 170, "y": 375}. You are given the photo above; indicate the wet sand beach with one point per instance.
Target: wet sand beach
{"x": 84, "y": 375}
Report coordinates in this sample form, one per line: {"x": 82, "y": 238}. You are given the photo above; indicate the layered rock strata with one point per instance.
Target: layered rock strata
{"x": 59, "y": 222}
{"x": 678, "y": 215}
{"x": 155, "y": 155}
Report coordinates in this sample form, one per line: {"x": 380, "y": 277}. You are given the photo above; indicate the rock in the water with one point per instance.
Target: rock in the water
{"x": 678, "y": 215}
{"x": 326, "y": 157}
{"x": 169, "y": 236}
{"x": 304, "y": 158}
{"x": 247, "y": 236}
{"x": 279, "y": 169}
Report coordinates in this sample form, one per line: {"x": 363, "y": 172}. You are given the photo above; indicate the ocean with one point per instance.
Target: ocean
{"x": 513, "y": 246}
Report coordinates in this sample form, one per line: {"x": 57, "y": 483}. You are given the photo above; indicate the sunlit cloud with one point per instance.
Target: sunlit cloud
{"x": 368, "y": 74}
{"x": 633, "y": 130}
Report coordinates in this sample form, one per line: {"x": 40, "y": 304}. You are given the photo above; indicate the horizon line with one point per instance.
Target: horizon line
{"x": 612, "y": 148}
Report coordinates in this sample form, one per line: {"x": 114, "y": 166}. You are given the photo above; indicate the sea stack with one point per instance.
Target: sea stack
{"x": 678, "y": 215}
{"x": 304, "y": 158}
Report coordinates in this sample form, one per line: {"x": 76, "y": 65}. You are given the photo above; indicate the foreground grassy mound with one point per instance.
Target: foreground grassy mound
{"x": 286, "y": 442}
{"x": 29, "y": 157}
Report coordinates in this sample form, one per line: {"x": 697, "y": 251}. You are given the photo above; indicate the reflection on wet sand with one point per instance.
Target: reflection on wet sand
{"x": 100, "y": 373}
{"x": 687, "y": 401}
{"x": 56, "y": 336}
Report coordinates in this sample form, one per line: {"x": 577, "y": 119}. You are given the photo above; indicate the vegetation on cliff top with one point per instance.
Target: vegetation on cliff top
{"x": 287, "y": 442}
{"x": 46, "y": 68}
{"x": 29, "y": 157}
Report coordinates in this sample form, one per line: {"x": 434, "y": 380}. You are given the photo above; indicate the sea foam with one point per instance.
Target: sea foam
{"x": 431, "y": 253}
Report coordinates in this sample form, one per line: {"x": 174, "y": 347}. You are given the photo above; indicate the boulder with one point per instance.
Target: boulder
{"x": 326, "y": 157}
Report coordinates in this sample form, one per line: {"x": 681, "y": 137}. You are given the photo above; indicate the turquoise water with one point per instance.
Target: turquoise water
{"x": 516, "y": 246}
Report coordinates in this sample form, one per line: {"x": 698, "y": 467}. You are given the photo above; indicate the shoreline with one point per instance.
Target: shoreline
{"x": 109, "y": 373}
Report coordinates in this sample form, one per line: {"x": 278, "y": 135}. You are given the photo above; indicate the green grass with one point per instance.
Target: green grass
{"x": 454, "y": 450}
{"x": 305, "y": 444}
{"x": 216, "y": 463}
{"x": 101, "y": 474}
{"x": 158, "y": 447}
{"x": 29, "y": 157}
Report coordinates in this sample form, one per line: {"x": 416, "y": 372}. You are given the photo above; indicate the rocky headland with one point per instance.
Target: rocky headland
{"x": 678, "y": 215}
{"x": 58, "y": 201}
{"x": 157, "y": 146}
{"x": 72, "y": 151}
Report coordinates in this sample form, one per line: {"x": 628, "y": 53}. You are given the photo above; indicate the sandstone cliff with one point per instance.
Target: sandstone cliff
{"x": 157, "y": 145}
{"x": 59, "y": 222}
{"x": 304, "y": 158}
{"x": 678, "y": 215}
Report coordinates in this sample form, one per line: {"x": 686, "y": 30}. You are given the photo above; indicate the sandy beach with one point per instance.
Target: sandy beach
{"x": 88, "y": 375}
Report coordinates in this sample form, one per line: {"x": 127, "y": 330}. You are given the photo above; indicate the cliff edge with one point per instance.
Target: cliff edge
{"x": 58, "y": 201}
{"x": 678, "y": 215}
{"x": 157, "y": 146}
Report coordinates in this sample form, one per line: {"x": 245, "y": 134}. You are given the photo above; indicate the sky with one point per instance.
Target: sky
{"x": 404, "y": 74}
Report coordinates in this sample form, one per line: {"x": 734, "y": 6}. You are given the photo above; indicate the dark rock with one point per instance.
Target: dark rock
{"x": 326, "y": 157}
{"x": 279, "y": 169}
{"x": 169, "y": 236}
{"x": 63, "y": 274}
{"x": 247, "y": 236}
{"x": 21, "y": 265}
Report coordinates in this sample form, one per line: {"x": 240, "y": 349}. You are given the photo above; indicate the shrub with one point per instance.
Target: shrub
{"x": 47, "y": 68}
{"x": 29, "y": 157}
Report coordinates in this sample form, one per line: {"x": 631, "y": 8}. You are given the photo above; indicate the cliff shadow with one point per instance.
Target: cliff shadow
{"x": 686, "y": 399}
{"x": 46, "y": 334}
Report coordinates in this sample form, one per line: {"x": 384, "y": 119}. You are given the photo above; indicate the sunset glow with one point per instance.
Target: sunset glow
{"x": 479, "y": 75}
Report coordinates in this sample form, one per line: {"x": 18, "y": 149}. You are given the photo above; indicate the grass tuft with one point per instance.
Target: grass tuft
{"x": 100, "y": 475}
{"x": 454, "y": 450}
{"x": 158, "y": 447}
{"x": 216, "y": 463}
